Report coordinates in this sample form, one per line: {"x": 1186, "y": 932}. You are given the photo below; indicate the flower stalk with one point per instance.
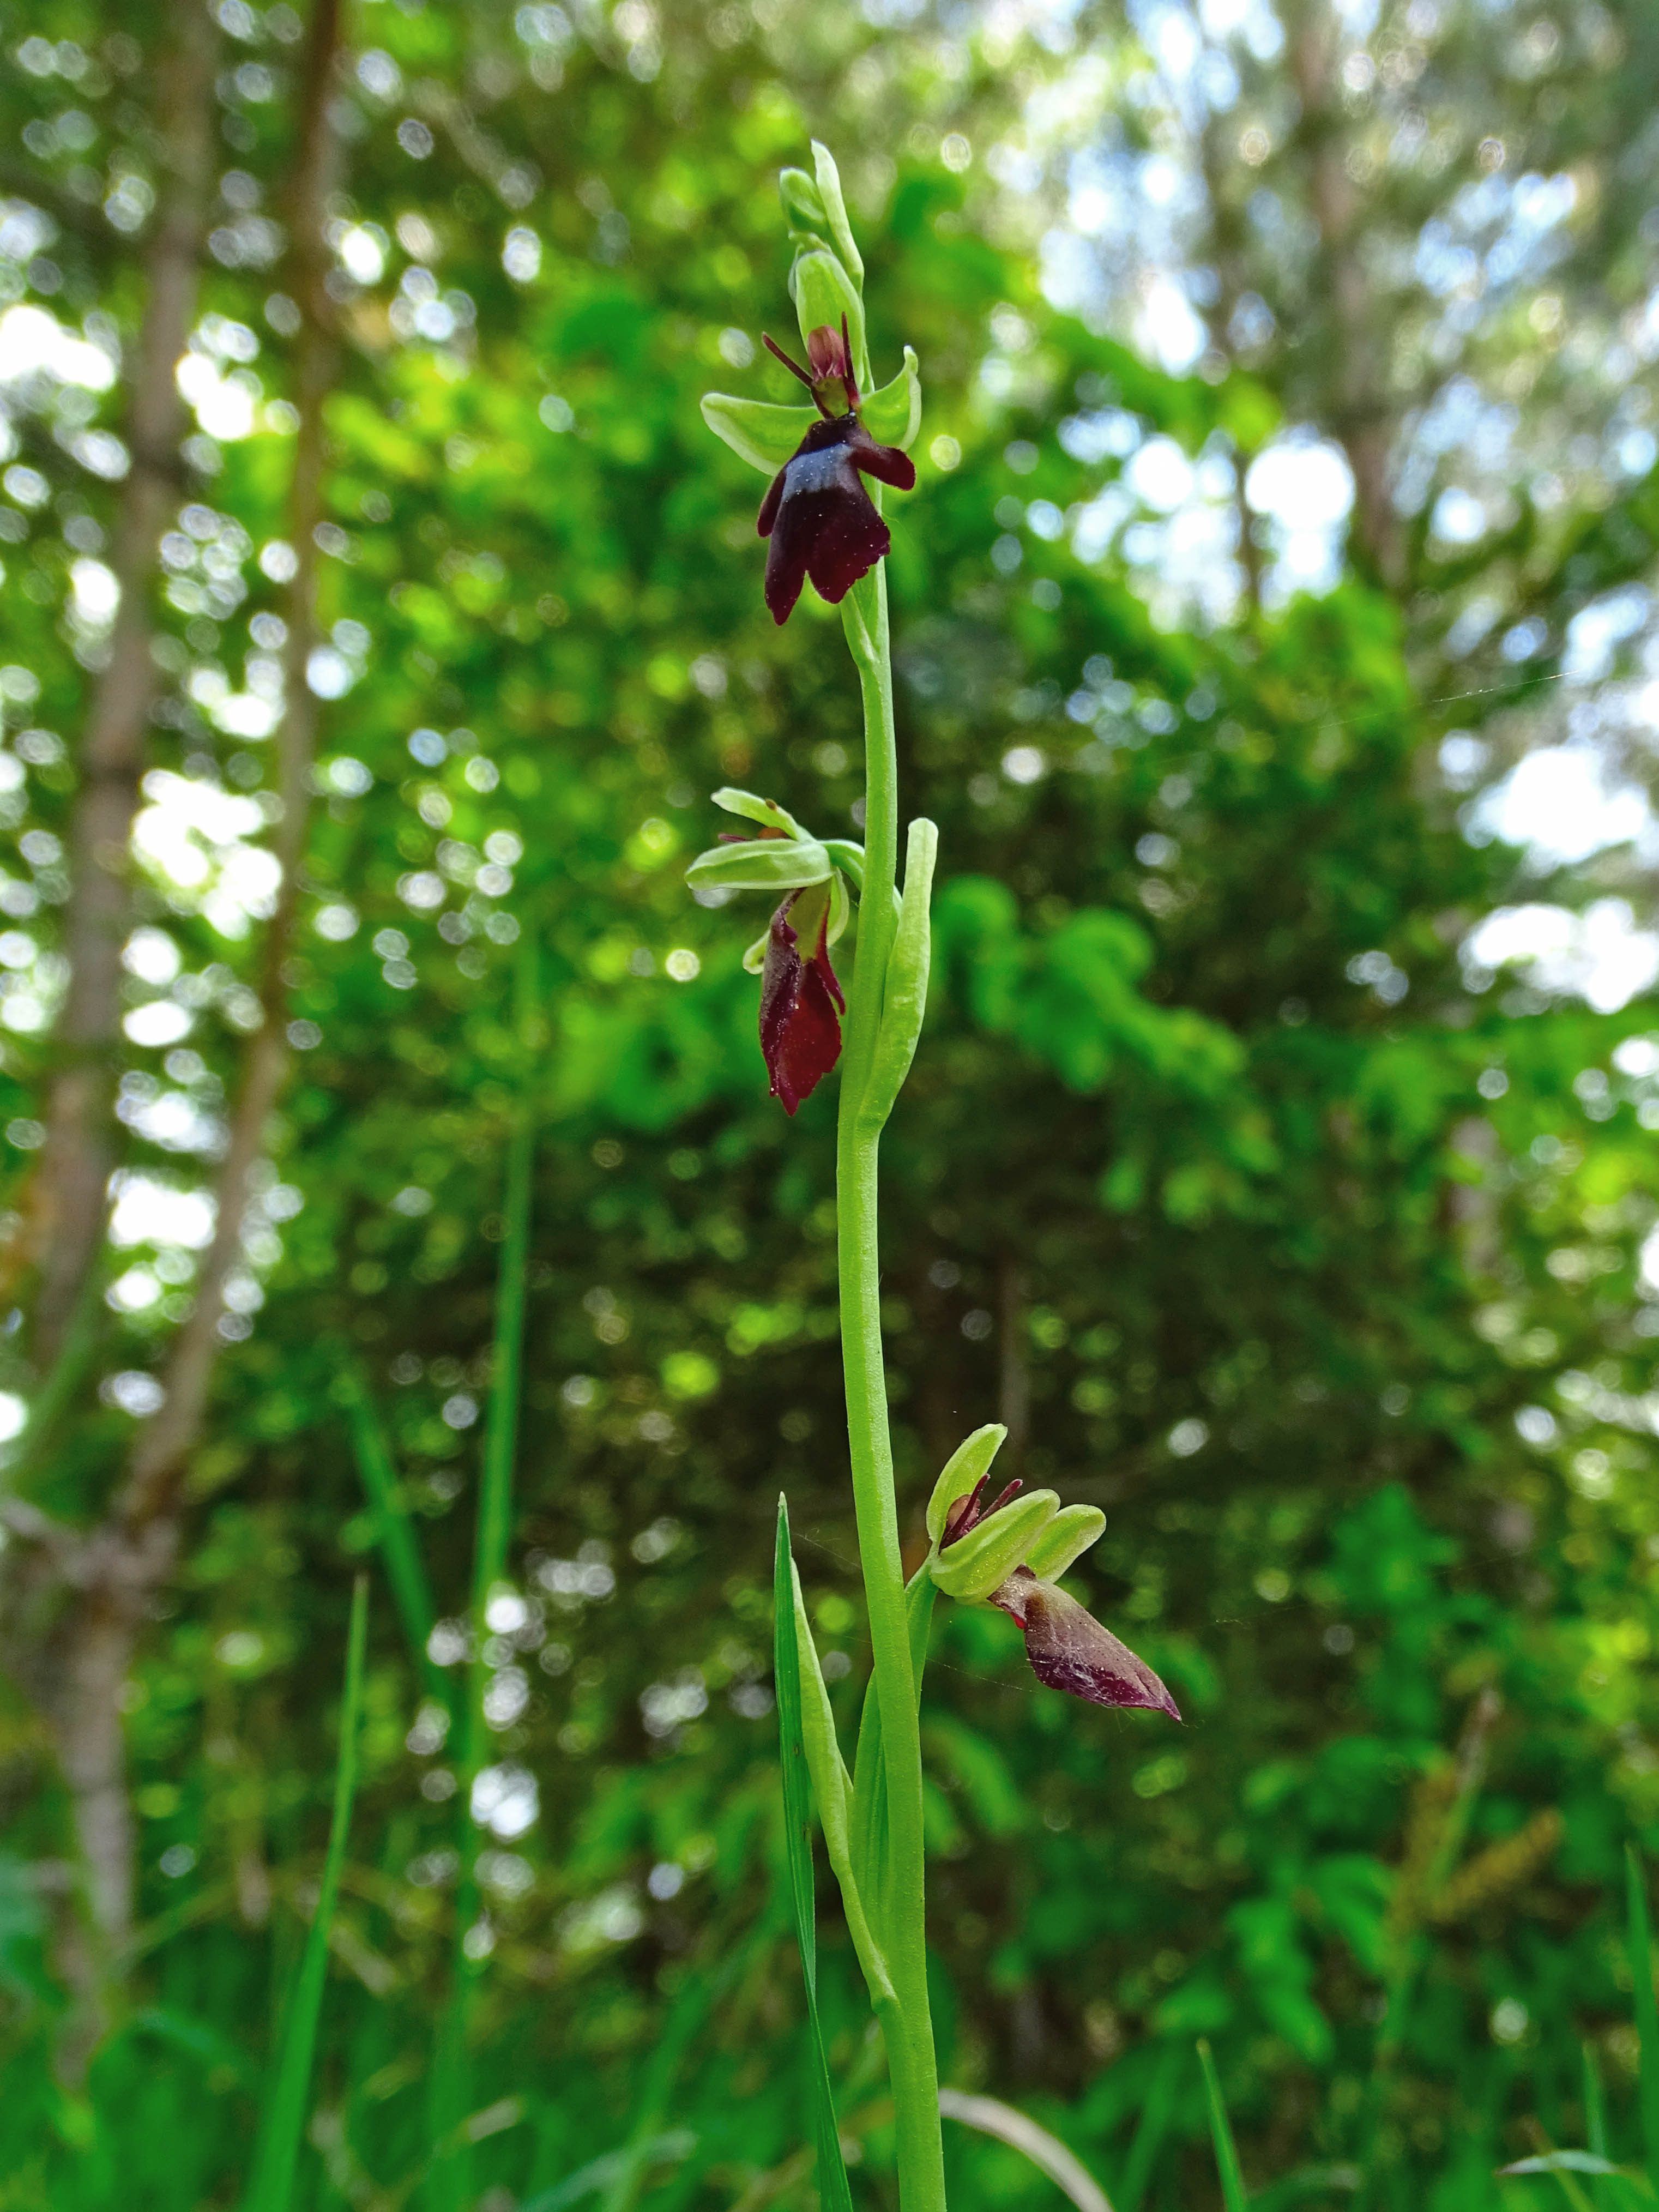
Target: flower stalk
{"x": 825, "y": 526}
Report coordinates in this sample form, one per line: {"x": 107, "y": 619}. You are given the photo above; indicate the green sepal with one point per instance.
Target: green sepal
{"x": 832, "y": 1793}
{"x": 834, "y": 210}
{"x": 758, "y": 431}
{"x": 872, "y": 1861}
{"x": 1067, "y": 1538}
{"x": 762, "y": 864}
{"x": 753, "y": 808}
{"x": 962, "y": 1472}
{"x": 803, "y": 202}
{"x": 893, "y": 415}
{"x": 823, "y": 292}
{"x": 983, "y": 1559}
{"x": 904, "y": 998}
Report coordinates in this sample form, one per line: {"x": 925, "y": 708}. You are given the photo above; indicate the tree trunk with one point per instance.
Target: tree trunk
{"x": 71, "y": 1639}
{"x": 70, "y": 1194}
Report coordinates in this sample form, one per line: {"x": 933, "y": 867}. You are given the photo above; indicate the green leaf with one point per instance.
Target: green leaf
{"x": 394, "y": 1531}
{"x": 869, "y": 1827}
{"x": 832, "y": 1790}
{"x": 1221, "y": 2134}
{"x": 282, "y": 2122}
{"x": 834, "y": 2193}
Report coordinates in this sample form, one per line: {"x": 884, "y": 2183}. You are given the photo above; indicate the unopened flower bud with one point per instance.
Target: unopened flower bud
{"x": 803, "y": 202}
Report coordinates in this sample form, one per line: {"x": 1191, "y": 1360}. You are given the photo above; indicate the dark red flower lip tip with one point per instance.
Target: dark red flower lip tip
{"x": 801, "y": 1002}
{"x": 1068, "y": 1649}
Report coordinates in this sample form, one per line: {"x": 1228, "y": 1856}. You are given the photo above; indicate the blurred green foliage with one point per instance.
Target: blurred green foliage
{"x": 1328, "y": 1294}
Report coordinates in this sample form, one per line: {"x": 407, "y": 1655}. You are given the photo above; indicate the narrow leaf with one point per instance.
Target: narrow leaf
{"x": 1221, "y": 2133}
{"x": 405, "y": 1569}
{"x": 283, "y": 2123}
{"x": 991, "y": 2117}
{"x": 869, "y": 1827}
{"x": 832, "y": 1792}
{"x": 1157, "y": 2111}
{"x": 1647, "y": 2013}
{"x": 834, "y": 2193}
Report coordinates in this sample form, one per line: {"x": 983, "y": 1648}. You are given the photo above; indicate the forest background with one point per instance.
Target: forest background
{"x": 1274, "y": 633}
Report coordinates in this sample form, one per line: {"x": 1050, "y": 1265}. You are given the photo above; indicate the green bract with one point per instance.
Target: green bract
{"x": 764, "y": 864}
{"x": 982, "y": 1560}
{"x": 1066, "y": 1537}
{"x": 962, "y": 1472}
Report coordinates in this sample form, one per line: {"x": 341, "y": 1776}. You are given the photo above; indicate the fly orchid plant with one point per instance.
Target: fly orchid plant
{"x": 824, "y": 523}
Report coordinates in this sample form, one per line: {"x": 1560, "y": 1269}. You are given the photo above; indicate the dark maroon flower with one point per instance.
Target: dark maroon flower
{"x": 1070, "y": 1651}
{"x": 821, "y": 521}
{"x": 801, "y": 1004}
{"x": 1067, "y": 1647}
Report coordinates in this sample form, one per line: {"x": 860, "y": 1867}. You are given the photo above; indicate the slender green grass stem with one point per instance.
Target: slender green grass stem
{"x": 907, "y": 2025}
{"x": 449, "y": 2178}
{"x": 282, "y": 2125}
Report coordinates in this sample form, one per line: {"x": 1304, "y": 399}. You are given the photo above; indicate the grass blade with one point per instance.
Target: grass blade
{"x": 405, "y": 1569}
{"x": 834, "y": 2193}
{"x": 1647, "y": 2013}
{"x": 1596, "y": 2123}
{"x": 991, "y": 2117}
{"x": 1226, "y": 2151}
{"x": 1157, "y": 2111}
{"x": 447, "y": 2184}
{"x": 283, "y": 2123}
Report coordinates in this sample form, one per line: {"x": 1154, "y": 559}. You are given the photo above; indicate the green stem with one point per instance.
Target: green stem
{"x": 906, "y": 2026}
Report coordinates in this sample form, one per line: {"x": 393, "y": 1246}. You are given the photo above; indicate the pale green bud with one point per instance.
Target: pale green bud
{"x": 803, "y": 202}
{"x": 765, "y": 435}
{"x": 982, "y": 1560}
{"x": 766, "y": 864}
{"x": 834, "y": 210}
{"x": 1067, "y": 1538}
{"x": 963, "y": 1470}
